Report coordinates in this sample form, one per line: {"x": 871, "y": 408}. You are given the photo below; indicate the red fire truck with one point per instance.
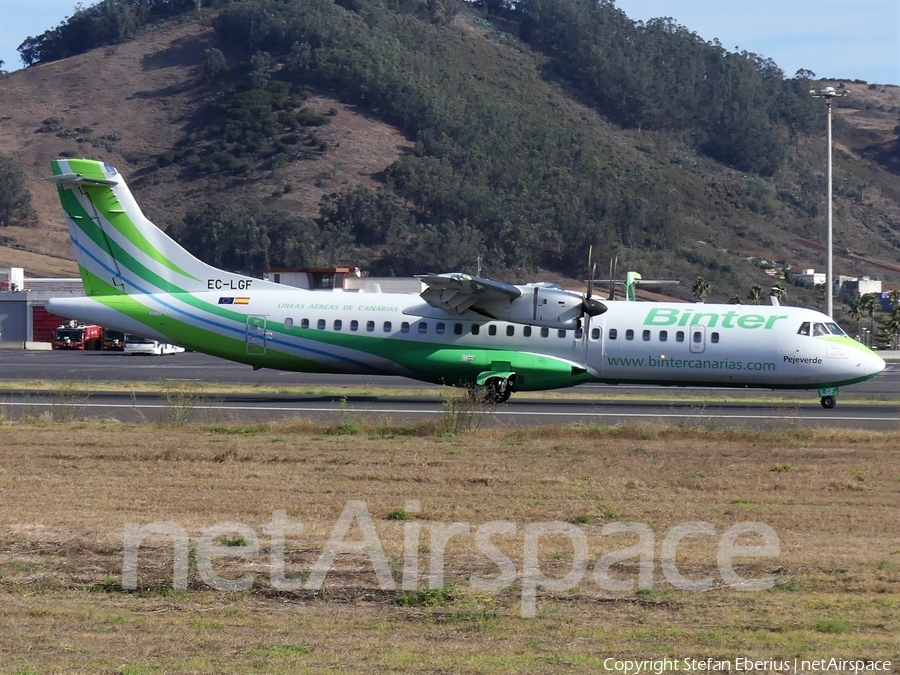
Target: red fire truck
{"x": 113, "y": 341}
{"x": 74, "y": 335}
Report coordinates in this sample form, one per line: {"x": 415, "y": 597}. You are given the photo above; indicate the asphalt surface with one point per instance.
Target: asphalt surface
{"x": 874, "y": 404}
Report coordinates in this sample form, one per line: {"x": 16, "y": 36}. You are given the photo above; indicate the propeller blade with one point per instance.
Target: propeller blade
{"x": 590, "y": 284}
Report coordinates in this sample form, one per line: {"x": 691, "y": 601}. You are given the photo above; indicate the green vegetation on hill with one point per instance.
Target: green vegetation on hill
{"x": 15, "y": 198}
{"x": 510, "y": 163}
{"x": 497, "y": 153}
{"x": 736, "y": 107}
{"x": 107, "y": 22}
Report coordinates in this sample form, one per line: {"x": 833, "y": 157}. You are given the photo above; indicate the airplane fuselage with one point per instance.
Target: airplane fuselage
{"x": 399, "y": 334}
{"x": 462, "y": 330}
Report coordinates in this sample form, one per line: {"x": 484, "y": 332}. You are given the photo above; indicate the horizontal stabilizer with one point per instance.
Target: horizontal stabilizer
{"x": 78, "y": 179}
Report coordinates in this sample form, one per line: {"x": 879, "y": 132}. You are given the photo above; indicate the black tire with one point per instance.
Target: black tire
{"x": 828, "y": 402}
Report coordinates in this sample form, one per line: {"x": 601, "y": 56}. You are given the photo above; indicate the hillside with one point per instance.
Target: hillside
{"x": 649, "y": 197}
{"x": 150, "y": 91}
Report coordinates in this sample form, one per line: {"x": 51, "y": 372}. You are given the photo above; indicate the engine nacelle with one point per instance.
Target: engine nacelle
{"x": 538, "y": 306}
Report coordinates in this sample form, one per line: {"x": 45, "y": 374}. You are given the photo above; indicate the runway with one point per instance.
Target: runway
{"x": 870, "y": 405}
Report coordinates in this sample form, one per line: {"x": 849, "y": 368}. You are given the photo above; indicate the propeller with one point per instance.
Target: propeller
{"x": 590, "y": 306}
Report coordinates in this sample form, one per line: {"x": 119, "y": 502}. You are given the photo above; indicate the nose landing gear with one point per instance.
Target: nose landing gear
{"x": 827, "y": 397}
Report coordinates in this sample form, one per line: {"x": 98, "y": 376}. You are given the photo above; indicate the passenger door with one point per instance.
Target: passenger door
{"x": 256, "y": 335}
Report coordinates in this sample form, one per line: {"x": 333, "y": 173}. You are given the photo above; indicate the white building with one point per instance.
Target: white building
{"x": 810, "y": 276}
{"x": 341, "y": 279}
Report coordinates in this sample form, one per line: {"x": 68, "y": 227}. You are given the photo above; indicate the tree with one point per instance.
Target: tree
{"x": 15, "y": 197}
{"x": 701, "y": 289}
{"x": 856, "y": 312}
{"x": 870, "y": 305}
{"x": 894, "y": 298}
{"x": 736, "y": 299}
{"x": 214, "y": 63}
{"x": 892, "y": 327}
{"x": 756, "y": 294}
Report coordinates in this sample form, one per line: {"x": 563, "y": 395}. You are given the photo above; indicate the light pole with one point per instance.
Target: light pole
{"x": 828, "y": 93}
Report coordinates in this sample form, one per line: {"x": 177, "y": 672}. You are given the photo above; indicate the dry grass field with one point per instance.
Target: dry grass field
{"x": 68, "y": 490}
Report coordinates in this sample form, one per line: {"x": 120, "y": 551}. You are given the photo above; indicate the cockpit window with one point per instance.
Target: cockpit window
{"x": 835, "y": 329}
{"x": 804, "y": 328}
{"x": 819, "y": 330}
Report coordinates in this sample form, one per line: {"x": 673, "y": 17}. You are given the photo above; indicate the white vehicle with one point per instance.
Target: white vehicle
{"x": 135, "y": 344}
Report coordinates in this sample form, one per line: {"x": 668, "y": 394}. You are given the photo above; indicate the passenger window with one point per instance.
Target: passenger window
{"x": 304, "y": 323}
{"x": 698, "y": 337}
{"x": 457, "y": 328}
{"x": 510, "y": 331}
{"x": 526, "y": 331}
{"x": 440, "y": 328}
{"x": 404, "y": 327}
{"x": 320, "y": 324}
{"x": 561, "y": 333}
{"x": 423, "y": 326}
{"x": 714, "y": 338}
{"x": 819, "y": 329}
{"x": 629, "y": 334}
{"x": 613, "y": 333}
{"x": 338, "y": 324}
{"x": 354, "y": 325}
{"x": 545, "y": 332}
{"x": 645, "y": 336}
{"x": 663, "y": 335}
{"x": 370, "y": 326}
{"x": 595, "y": 333}
{"x": 288, "y": 324}
{"x": 804, "y": 328}
{"x": 475, "y": 329}
{"x": 387, "y": 326}
{"x": 579, "y": 333}
{"x": 492, "y": 329}
{"x": 679, "y": 336}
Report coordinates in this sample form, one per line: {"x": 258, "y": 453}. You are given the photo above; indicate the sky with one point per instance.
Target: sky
{"x": 849, "y": 39}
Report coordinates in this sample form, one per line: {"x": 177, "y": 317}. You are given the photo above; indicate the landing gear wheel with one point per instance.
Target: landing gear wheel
{"x": 828, "y": 402}
{"x": 504, "y": 396}
{"x": 493, "y": 391}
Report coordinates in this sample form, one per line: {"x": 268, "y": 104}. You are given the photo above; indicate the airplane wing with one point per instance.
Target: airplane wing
{"x": 457, "y": 293}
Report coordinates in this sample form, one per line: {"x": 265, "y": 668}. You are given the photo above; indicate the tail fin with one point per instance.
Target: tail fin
{"x": 117, "y": 248}
{"x": 630, "y": 279}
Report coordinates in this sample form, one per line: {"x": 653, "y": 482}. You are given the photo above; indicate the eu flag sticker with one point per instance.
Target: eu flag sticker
{"x": 226, "y": 301}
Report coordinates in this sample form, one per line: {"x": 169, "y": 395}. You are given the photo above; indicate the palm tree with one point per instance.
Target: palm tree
{"x": 701, "y": 289}
{"x": 892, "y": 326}
{"x": 894, "y": 297}
{"x": 870, "y": 305}
{"x": 856, "y": 312}
{"x": 756, "y": 294}
{"x": 736, "y": 299}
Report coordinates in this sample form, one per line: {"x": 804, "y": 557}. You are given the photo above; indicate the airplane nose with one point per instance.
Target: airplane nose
{"x": 875, "y": 363}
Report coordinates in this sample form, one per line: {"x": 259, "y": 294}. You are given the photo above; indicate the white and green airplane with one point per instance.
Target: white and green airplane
{"x": 493, "y": 337}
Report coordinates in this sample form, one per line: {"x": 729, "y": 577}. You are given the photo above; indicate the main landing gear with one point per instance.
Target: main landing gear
{"x": 494, "y": 390}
